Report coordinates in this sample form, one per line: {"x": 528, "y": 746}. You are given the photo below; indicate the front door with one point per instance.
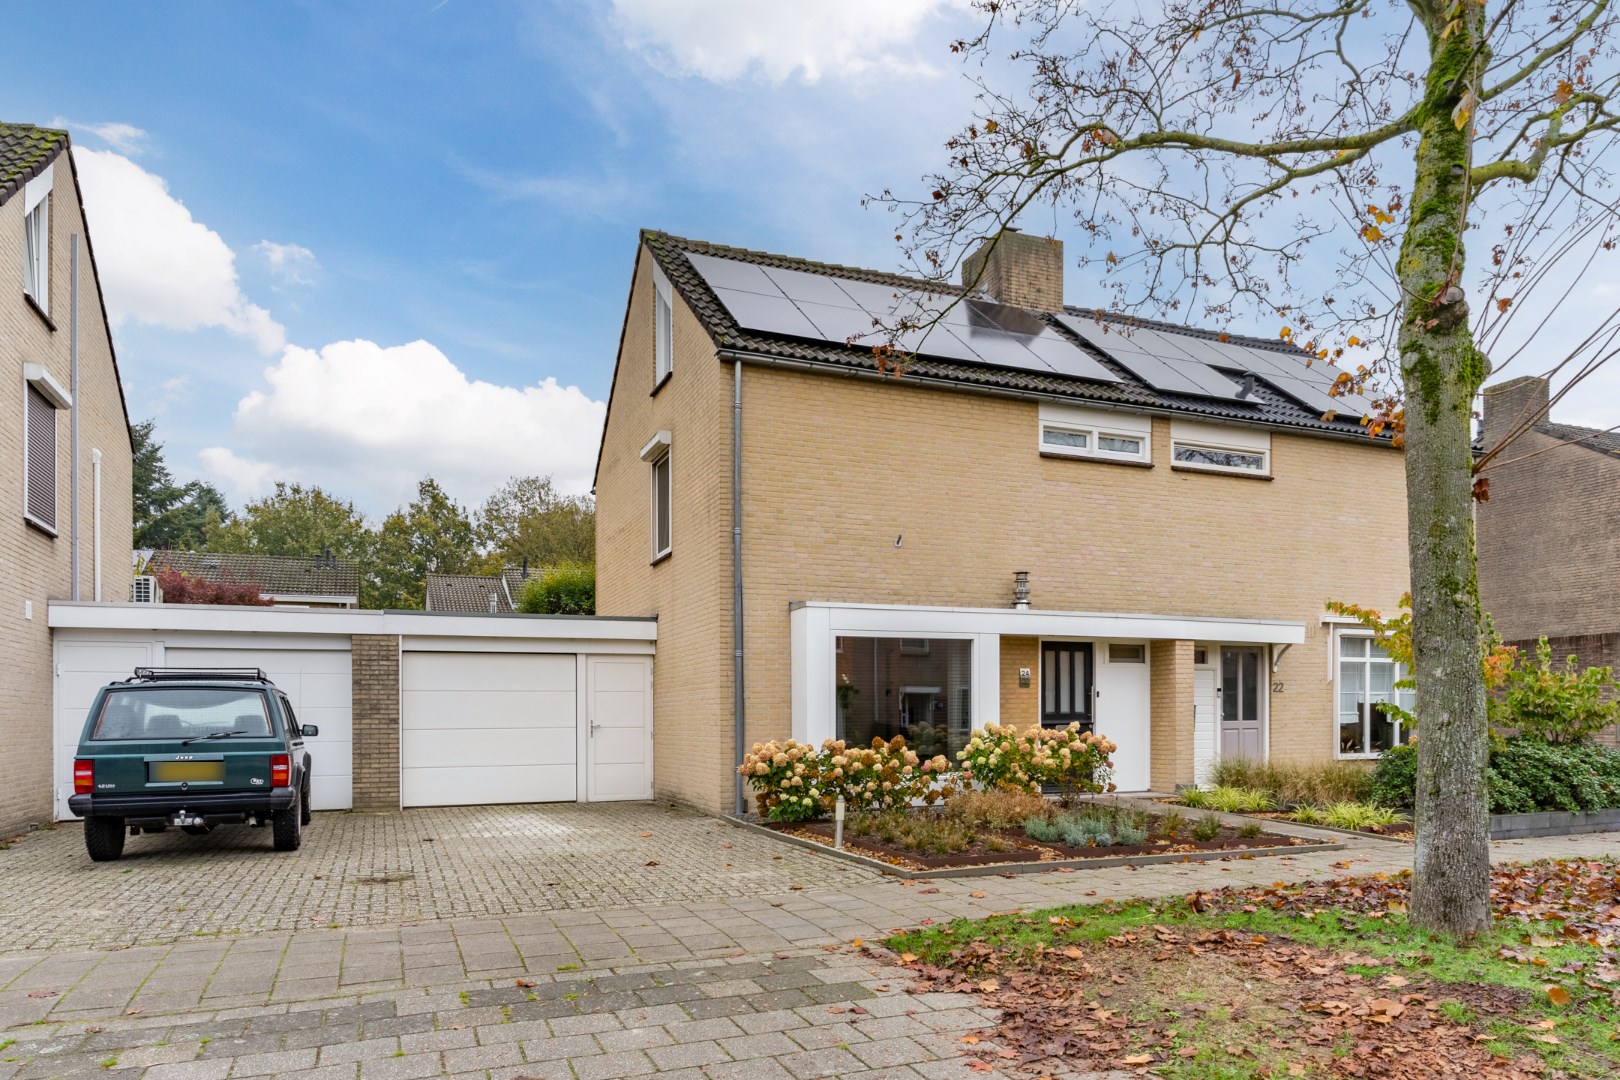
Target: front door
{"x": 1066, "y": 679}
{"x": 1242, "y": 695}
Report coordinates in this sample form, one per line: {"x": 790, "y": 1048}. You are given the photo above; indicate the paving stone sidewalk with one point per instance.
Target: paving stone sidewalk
{"x": 783, "y": 1017}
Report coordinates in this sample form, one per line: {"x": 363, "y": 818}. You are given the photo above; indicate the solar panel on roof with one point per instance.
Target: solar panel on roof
{"x": 1132, "y": 355}
{"x": 798, "y": 303}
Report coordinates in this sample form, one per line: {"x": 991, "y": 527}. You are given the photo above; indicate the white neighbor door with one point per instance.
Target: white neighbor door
{"x": 1123, "y": 716}
{"x": 487, "y": 728}
{"x": 317, "y": 682}
{"x": 619, "y": 739}
{"x": 82, "y": 668}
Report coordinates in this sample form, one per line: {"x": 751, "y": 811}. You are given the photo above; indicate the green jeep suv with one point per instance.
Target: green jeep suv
{"x": 191, "y": 748}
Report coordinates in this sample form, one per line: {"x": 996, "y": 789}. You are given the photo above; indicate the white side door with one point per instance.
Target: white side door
{"x": 82, "y": 668}
{"x": 318, "y": 683}
{"x": 1123, "y": 715}
{"x": 618, "y": 738}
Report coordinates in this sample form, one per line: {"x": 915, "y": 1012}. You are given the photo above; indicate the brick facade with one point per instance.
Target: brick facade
{"x": 835, "y": 469}
{"x": 34, "y": 565}
{"x": 1170, "y": 698}
{"x": 375, "y": 689}
{"x": 1020, "y": 704}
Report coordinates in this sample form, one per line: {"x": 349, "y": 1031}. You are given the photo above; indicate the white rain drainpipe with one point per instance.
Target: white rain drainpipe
{"x": 739, "y": 725}
{"x": 95, "y": 472}
{"x": 73, "y": 416}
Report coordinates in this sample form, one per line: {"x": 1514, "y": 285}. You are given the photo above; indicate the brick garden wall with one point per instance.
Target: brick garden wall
{"x": 375, "y": 687}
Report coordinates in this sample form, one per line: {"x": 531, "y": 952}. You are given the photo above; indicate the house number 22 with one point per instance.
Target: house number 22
{"x": 1277, "y": 687}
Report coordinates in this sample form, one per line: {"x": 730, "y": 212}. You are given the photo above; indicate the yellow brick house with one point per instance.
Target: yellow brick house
{"x": 1046, "y": 516}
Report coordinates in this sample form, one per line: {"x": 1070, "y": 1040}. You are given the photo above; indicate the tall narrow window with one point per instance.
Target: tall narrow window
{"x": 37, "y": 253}
{"x": 39, "y": 465}
{"x": 663, "y": 328}
{"x": 661, "y": 511}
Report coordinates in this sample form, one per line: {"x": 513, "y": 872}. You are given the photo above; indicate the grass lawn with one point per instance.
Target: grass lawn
{"x": 1318, "y": 980}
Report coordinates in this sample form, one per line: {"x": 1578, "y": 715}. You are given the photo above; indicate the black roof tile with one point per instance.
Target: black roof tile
{"x": 25, "y": 151}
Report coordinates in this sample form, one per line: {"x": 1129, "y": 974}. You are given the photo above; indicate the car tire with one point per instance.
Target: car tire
{"x": 288, "y": 828}
{"x": 304, "y": 814}
{"x": 104, "y": 838}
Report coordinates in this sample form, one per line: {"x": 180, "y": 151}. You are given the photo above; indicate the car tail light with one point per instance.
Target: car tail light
{"x": 84, "y": 777}
{"x": 280, "y": 770}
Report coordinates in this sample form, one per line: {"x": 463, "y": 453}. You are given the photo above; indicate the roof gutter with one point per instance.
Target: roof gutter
{"x": 788, "y": 363}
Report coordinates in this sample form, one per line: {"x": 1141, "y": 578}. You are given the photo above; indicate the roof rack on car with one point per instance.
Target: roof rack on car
{"x": 199, "y": 674}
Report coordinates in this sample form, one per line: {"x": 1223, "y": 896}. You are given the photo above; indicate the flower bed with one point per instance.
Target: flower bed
{"x": 1008, "y": 828}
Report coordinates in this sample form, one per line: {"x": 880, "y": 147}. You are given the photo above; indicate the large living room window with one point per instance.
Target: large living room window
{"x": 921, "y": 688}
{"x": 1367, "y": 678}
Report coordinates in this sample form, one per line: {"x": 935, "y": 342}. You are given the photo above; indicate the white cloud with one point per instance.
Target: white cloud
{"x": 361, "y": 417}
{"x": 290, "y": 264}
{"x": 723, "y": 40}
{"x": 125, "y": 138}
{"x": 159, "y": 266}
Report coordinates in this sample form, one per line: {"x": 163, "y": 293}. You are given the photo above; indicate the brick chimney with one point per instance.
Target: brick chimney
{"x": 1019, "y": 269}
{"x": 1512, "y": 403}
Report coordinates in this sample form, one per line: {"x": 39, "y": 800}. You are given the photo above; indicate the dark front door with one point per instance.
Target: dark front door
{"x": 1066, "y": 684}
{"x": 1240, "y": 693}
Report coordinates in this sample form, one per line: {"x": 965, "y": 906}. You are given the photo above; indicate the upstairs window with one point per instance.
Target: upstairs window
{"x": 1228, "y": 448}
{"x": 656, "y": 454}
{"x": 663, "y": 328}
{"x": 1212, "y": 457}
{"x": 39, "y": 461}
{"x": 1068, "y": 431}
{"x": 37, "y": 240}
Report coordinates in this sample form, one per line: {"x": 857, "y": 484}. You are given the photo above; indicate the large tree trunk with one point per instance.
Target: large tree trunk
{"x": 1443, "y": 370}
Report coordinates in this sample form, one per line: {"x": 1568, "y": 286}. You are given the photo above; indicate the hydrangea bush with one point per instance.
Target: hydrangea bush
{"x": 795, "y": 781}
{"x": 1072, "y": 760}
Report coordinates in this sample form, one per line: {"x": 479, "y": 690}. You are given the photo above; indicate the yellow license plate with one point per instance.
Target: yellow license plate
{"x": 190, "y": 772}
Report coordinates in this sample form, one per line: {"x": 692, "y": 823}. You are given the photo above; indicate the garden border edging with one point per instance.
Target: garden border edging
{"x": 1553, "y": 823}
{"x": 1032, "y": 867}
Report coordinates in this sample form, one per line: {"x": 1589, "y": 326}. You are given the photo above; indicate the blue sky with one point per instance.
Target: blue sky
{"x": 351, "y": 242}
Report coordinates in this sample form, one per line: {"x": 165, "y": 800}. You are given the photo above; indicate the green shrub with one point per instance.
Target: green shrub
{"x": 1001, "y": 756}
{"x": 1558, "y": 706}
{"x": 795, "y": 781}
{"x": 1394, "y": 778}
{"x": 1172, "y": 824}
{"x": 1293, "y": 783}
{"x": 1249, "y": 830}
{"x": 1230, "y": 800}
{"x": 569, "y": 589}
{"x": 1354, "y": 815}
{"x": 1206, "y": 828}
{"x": 1308, "y": 815}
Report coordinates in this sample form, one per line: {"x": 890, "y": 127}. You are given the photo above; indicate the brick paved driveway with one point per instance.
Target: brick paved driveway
{"x": 358, "y": 869}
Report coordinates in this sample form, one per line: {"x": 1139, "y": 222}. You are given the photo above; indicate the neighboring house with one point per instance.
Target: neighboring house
{"x": 488, "y": 594}
{"x": 1181, "y": 502}
{"x": 323, "y": 581}
{"x": 1549, "y": 535}
{"x": 64, "y": 447}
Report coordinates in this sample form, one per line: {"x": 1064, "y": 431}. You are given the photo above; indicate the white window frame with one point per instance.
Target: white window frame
{"x": 1264, "y": 468}
{"x": 1339, "y": 659}
{"x": 37, "y": 239}
{"x": 657, "y": 454}
{"x": 663, "y": 328}
{"x": 1095, "y": 426}
{"x": 1220, "y": 439}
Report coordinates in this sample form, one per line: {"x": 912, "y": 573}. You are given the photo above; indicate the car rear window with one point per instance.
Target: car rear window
{"x": 180, "y": 712}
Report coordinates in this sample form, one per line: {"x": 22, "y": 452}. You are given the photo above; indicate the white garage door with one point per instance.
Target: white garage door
{"x": 82, "y": 668}
{"x": 316, "y": 681}
{"x": 480, "y": 728}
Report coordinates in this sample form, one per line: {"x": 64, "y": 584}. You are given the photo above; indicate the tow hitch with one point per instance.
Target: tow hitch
{"x": 181, "y": 818}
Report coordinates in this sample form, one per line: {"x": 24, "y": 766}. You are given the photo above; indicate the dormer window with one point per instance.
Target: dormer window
{"x": 663, "y": 328}
{"x": 37, "y": 240}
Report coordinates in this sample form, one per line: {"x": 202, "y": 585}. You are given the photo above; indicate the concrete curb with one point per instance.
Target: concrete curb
{"x": 1553, "y": 823}
{"x": 993, "y": 869}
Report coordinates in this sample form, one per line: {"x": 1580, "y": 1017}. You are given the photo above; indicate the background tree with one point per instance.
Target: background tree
{"x": 433, "y": 535}
{"x": 1319, "y": 163}
{"x": 527, "y": 518}
{"x": 296, "y": 520}
{"x": 168, "y": 515}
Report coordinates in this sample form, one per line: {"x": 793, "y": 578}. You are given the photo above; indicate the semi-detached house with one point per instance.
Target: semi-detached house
{"x": 64, "y": 447}
{"x": 1045, "y": 516}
